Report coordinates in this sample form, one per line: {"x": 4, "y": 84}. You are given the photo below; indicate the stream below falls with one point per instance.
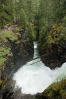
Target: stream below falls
{"x": 34, "y": 77}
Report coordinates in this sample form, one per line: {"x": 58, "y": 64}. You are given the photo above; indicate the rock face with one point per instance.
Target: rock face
{"x": 52, "y": 48}
{"x": 22, "y": 52}
{"x": 55, "y": 58}
{"x": 14, "y": 51}
{"x": 55, "y": 91}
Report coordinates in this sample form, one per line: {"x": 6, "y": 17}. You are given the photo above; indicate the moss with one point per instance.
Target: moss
{"x": 10, "y": 35}
{"x": 56, "y": 35}
{"x": 4, "y": 53}
{"x": 5, "y": 49}
{"x": 2, "y": 60}
{"x": 55, "y": 91}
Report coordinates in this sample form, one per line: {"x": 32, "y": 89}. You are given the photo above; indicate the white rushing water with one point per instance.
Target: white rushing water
{"x": 34, "y": 77}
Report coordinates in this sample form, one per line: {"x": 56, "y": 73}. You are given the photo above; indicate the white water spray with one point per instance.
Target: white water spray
{"x": 34, "y": 77}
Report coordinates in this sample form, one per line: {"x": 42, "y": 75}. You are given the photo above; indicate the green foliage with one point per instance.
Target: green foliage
{"x": 64, "y": 20}
{"x": 5, "y": 12}
{"x": 23, "y": 17}
{"x": 0, "y": 82}
{"x": 50, "y": 12}
{"x": 31, "y": 32}
{"x": 4, "y": 53}
{"x": 5, "y": 48}
{"x": 9, "y": 34}
{"x": 56, "y": 91}
{"x": 56, "y": 35}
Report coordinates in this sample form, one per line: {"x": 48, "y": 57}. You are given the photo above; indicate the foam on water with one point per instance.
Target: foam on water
{"x": 34, "y": 77}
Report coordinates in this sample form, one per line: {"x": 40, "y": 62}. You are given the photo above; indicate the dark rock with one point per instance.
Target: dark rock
{"x": 55, "y": 57}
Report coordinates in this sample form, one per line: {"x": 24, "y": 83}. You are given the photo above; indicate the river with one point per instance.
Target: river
{"x": 34, "y": 77}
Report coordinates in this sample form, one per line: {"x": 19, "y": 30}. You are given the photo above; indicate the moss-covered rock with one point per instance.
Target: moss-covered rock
{"x": 52, "y": 46}
{"x": 13, "y": 49}
{"x": 6, "y": 57}
{"x": 54, "y": 91}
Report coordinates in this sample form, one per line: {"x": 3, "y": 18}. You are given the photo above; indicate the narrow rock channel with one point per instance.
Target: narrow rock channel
{"x": 34, "y": 77}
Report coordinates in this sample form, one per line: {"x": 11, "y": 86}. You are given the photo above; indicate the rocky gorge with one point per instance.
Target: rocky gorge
{"x": 32, "y": 49}
{"x": 18, "y": 49}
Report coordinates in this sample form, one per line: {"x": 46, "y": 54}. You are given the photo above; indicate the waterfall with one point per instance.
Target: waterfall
{"x": 34, "y": 77}
{"x": 35, "y": 50}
